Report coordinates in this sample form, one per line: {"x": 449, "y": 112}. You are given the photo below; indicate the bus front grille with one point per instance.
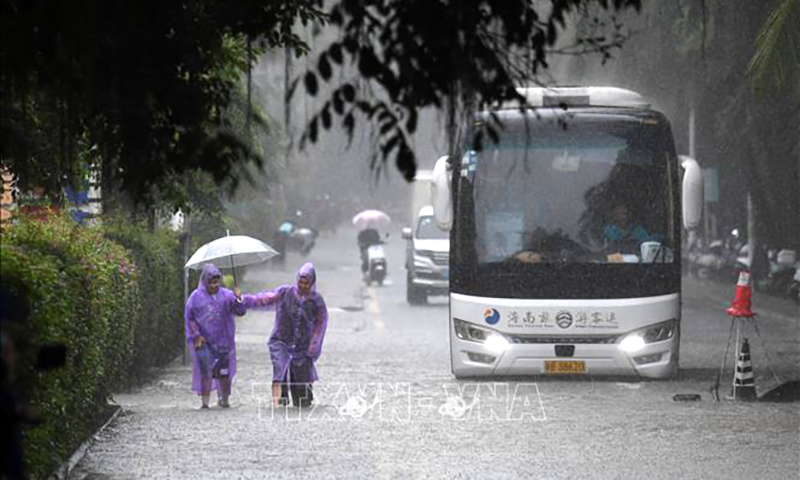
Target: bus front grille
{"x": 537, "y": 339}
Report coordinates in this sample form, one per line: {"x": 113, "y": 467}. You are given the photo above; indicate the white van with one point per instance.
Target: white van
{"x": 427, "y": 258}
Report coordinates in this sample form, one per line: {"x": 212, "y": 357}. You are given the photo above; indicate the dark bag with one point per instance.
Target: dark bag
{"x": 221, "y": 366}
{"x": 214, "y": 363}
{"x": 300, "y": 382}
{"x": 212, "y": 360}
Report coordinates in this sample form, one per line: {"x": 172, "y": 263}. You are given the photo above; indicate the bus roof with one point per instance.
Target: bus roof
{"x": 581, "y": 97}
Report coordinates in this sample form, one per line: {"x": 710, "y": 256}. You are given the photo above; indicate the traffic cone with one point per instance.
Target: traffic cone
{"x": 740, "y": 307}
{"x": 744, "y": 384}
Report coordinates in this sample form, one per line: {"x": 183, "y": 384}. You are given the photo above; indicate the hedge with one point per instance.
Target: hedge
{"x": 111, "y": 306}
{"x": 158, "y": 259}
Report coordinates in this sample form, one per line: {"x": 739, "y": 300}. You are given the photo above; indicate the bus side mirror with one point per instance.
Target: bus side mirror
{"x": 406, "y": 233}
{"x": 441, "y": 198}
{"x": 692, "y": 195}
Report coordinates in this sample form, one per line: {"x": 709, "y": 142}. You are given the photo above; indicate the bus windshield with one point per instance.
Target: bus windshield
{"x": 590, "y": 190}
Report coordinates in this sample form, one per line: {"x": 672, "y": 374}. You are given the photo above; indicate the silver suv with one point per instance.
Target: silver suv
{"x": 427, "y": 258}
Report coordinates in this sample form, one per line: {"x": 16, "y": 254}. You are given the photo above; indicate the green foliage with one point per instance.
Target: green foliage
{"x": 147, "y": 88}
{"x": 117, "y": 311}
{"x": 157, "y": 265}
{"x": 145, "y": 84}
{"x": 83, "y": 296}
{"x": 442, "y": 54}
{"x": 776, "y": 61}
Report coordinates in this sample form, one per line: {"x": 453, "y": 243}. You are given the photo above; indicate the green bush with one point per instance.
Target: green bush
{"x": 83, "y": 294}
{"x": 113, "y": 295}
{"x": 158, "y": 259}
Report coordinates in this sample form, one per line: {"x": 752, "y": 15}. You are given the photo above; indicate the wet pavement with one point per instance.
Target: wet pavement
{"x": 388, "y": 406}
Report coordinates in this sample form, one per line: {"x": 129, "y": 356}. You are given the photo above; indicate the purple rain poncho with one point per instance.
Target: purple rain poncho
{"x": 213, "y": 316}
{"x": 300, "y": 323}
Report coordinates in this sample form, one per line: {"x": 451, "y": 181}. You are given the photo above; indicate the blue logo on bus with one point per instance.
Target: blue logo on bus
{"x": 491, "y": 315}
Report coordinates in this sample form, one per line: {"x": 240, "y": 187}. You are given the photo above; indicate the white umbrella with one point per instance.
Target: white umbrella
{"x": 231, "y": 252}
{"x": 371, "y": 219}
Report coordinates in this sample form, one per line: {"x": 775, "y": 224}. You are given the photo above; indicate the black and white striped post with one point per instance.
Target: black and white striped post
{"x": 744, "y": 384}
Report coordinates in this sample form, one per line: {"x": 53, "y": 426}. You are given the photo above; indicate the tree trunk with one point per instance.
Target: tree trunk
{"x": 109, "y": 202}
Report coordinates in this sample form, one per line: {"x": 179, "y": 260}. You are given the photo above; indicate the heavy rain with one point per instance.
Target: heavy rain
{"x": 400, "y": 239}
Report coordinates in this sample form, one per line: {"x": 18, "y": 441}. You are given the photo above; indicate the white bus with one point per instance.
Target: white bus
{"x": 565, "y": 237}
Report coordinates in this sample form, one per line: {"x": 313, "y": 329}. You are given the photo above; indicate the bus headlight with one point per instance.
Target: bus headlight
{"x": 659, "y": 332}
{"x": 632, "y": 343}
{"x": 496, "y": 343}
{"x": 493, "y": 341}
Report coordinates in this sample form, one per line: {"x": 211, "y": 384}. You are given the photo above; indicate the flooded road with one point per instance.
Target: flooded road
{"x": 388, "y": 406}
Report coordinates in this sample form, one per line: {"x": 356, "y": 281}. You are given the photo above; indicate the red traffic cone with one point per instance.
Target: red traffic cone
{"x": 740, "y": 307}
{"x": 744, "y": 384}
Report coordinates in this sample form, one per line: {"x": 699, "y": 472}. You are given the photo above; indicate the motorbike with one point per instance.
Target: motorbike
{"x": 720, "y": 260}
{"x": 794, "y": 287}
{"x": 782, "y": 272}
{"x": 376, "y": 264}
{"x": 714, "y": 262}
{"x": 302, "y": 240}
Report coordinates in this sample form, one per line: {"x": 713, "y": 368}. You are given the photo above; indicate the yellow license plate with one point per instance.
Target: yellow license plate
{"x": 564, "y": 366}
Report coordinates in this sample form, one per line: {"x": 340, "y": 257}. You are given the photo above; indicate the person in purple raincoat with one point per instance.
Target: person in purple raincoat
{"x": 210, "y": 332}
{"x": 295, "y": 344}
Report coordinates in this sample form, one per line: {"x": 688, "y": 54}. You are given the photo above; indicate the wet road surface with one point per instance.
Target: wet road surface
{"x": 388, "y": 406}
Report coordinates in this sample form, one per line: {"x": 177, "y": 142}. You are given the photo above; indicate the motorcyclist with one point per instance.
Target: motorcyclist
{"x": 281, "y": 238}
{"x": 307, "y": 238}
{"x": 366, "y": 238}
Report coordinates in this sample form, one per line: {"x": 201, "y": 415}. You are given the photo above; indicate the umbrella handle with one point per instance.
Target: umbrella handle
{"x": 233, "y": 269}
{"x": 233, "y": 266}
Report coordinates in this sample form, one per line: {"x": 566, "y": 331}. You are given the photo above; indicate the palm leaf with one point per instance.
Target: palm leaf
{"x": 775, "y": 62}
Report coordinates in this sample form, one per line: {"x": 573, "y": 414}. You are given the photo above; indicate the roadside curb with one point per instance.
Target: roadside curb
{"x": 63, "y": 471}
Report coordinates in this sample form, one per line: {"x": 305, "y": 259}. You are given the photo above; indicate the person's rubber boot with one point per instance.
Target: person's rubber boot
{"x": 205, "y": 399}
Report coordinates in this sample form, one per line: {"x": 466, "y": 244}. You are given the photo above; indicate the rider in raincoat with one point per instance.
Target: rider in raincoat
{"x": 295, "y": 344}
{"x": 210, "y": 332}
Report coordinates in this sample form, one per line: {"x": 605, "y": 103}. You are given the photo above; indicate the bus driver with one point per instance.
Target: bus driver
{"x": 622, "y": 233}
